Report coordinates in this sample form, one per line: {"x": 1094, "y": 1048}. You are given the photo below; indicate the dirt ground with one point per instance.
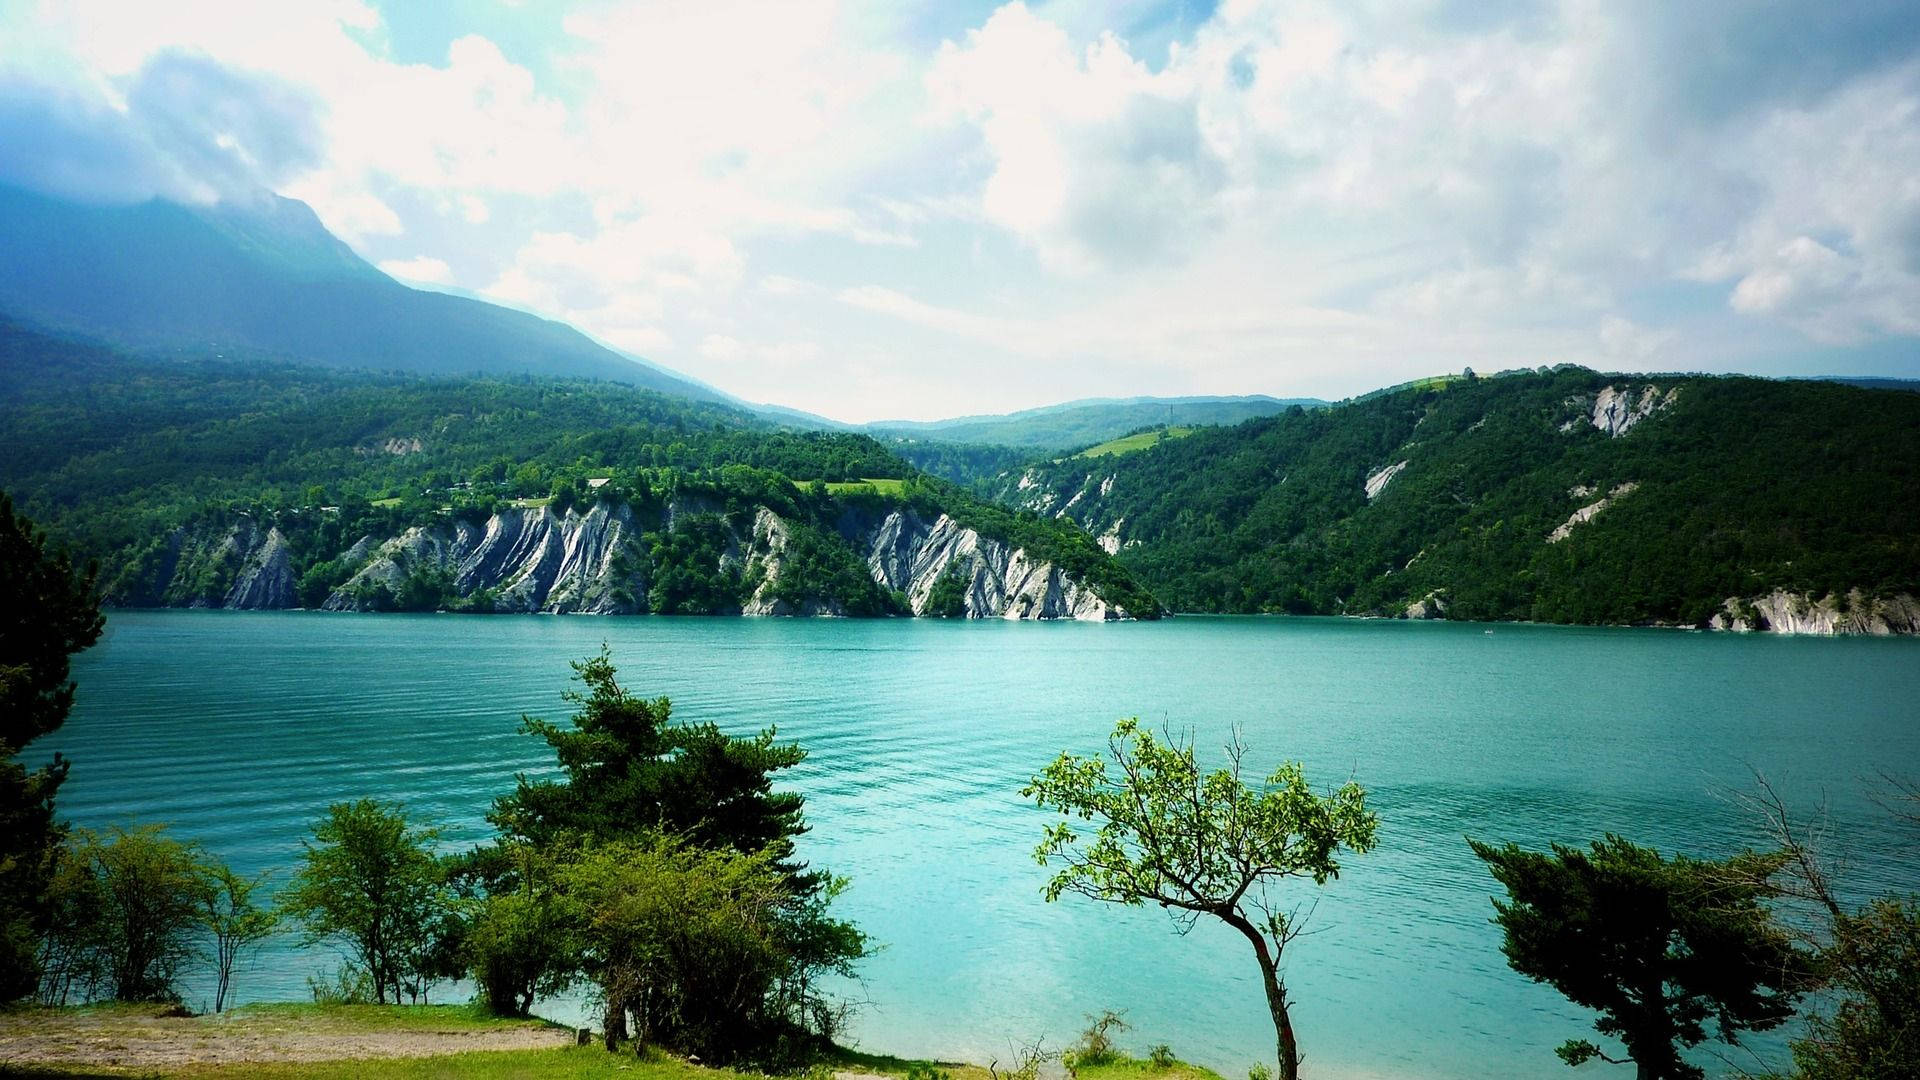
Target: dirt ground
{"x": 155, "y": 1037}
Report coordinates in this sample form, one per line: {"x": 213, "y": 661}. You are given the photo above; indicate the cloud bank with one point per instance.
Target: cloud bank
{"x": 897, "y": 211}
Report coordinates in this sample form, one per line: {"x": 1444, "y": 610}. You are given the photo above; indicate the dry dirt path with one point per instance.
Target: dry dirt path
{"x": 155, "y": 1037}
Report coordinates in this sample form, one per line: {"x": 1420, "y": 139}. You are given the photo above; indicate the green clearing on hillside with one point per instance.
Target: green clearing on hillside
{"x": 1139, "y": 440}
{"x": 873, "y": 485}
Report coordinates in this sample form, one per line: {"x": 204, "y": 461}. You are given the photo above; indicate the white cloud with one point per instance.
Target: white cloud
{"x": 420, "y": 268}
{"x": 1293, "y": 195}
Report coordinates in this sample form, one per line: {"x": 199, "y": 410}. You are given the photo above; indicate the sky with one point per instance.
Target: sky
{"x": 900, "y": 210}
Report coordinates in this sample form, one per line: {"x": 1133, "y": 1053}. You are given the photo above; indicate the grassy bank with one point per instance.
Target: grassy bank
{"x": 434, "y": 1042}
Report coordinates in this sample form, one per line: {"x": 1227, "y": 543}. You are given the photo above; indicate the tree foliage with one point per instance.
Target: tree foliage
{"x": 48, "y": 611}
{"x": 369, "y": 880}
{"x": 1670, "y": 952}
{"x": 236, "y": 920}
{"x": 1198, "y": 843}
{"x": 666, "y": 853}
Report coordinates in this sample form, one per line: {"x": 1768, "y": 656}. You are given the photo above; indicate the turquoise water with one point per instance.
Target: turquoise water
{"x": 239, "y": 728}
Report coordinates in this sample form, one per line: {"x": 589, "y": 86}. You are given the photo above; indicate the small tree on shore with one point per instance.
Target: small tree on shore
{"x": 1660, "y": 948}
{"x": 148, "y": 892}
{"x": 234, "y": 919}
{"x": 1198, "y": 843}
{"x": 370, "y": 880}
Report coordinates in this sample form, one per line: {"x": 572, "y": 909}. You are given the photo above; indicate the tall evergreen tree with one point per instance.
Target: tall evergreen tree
{"x": 48, "y": 611}
{"x": 630, "y": 771}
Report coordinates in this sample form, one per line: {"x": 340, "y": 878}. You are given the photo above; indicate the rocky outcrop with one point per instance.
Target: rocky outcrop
{"x": 1781, "y": 612}
{"x": 527, "y": 559}
{"x": 1589, "y": 511}
{"x": 1615, "y": 409}
{"x": 1378, "y": 479}
{"x": 595, "y": 560}
{"x": 910, "y": 554}
{"x": 265, "y": 578}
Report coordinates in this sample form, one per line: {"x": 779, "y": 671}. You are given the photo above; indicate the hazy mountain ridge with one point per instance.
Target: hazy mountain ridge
{"x": 266, "y": 280}
{"x": 1569, "y": 496}
{"x": 1074, "y": 425}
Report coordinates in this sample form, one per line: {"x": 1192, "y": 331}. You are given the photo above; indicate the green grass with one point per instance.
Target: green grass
{"x": 879, "y": 486}
{"x": 1127, "y": 444}
{"x": 568, "y": 1063}
{"x": 314, "y": 1017}
{"x": 530, "y": 504}
{"x": 1126, "y": 1068}
{"x": 387, "y": 503}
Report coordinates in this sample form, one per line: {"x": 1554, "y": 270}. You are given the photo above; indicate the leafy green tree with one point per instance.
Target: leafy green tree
{"x": 630, "y": 775}
{"x": 73, "y": 946}
{"x": 235, "y": 919}
{"x": 686, "y": 941}
{"x": 1660, "y": 947}
{"x": 370, "y": 880}
{"x": 518, "y": 942}
{"x": 149, "y": 894}
{"x": 1198, "y": 843}
{"x": 48, "y": 612}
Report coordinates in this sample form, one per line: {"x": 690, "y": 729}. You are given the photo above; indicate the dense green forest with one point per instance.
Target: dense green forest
{"x": 1730, "y": 487}
{"x": 112, "y": 452}
{"x": 1073, "y": 425}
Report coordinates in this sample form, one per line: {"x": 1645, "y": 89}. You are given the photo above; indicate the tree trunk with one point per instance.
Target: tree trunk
{"x": 1289, "y": 1047}
{"x": 614, "y": 1021}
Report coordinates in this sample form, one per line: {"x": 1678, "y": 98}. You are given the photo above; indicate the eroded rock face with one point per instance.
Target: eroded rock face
{"x": 531, "y": 559}
{"x": 1590, "y": 511}
{"x": 265, "y": 578}
{"x": 592, "y": 561}
{"x": 1781, "y": 612}
{"x": 1378, "y": 479}
{"x": 1616, "y": 409}
{"x": 909, "y": 554}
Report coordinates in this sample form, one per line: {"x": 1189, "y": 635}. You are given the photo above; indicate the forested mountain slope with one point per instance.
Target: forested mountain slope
{"x": 1563, "y": 496}
{"x": 266, "y": 280}
{"x": 249, "y": 484}
{"x": 1078, "y": 424}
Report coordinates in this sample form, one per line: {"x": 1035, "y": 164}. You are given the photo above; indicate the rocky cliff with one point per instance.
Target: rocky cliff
{"x": 608, "y": 557}
{"x": 1782, "y": 612}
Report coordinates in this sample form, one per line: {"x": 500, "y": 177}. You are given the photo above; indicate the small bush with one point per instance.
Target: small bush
{"x": 1161, "y": 1056}
{"x": 351, "y": 985}
{"x": 1096, "y": 1045}
{"x": 921, "y": 1070}
{"x": 1259, "y": 1072}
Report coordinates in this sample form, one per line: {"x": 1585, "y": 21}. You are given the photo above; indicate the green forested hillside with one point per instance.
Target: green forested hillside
{"x": 1728, "y": 487}
{"x": 111, "y": 452}
{"x": 1078, "y": 424}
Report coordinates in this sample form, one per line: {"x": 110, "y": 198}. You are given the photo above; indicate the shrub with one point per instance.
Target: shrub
{"x": 1161, "y": 1056}
{"x": 1096, "y": 1045}
{"x": 145, "y": 890}
{"x": 516, "y": 948}
{"x": 350, "y": 985}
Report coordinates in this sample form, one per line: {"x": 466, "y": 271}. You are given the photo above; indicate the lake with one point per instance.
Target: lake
{"x": 239, "y": 729}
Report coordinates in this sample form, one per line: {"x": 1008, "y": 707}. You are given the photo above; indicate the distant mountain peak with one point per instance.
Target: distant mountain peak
{"x": 264, "y": 277}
